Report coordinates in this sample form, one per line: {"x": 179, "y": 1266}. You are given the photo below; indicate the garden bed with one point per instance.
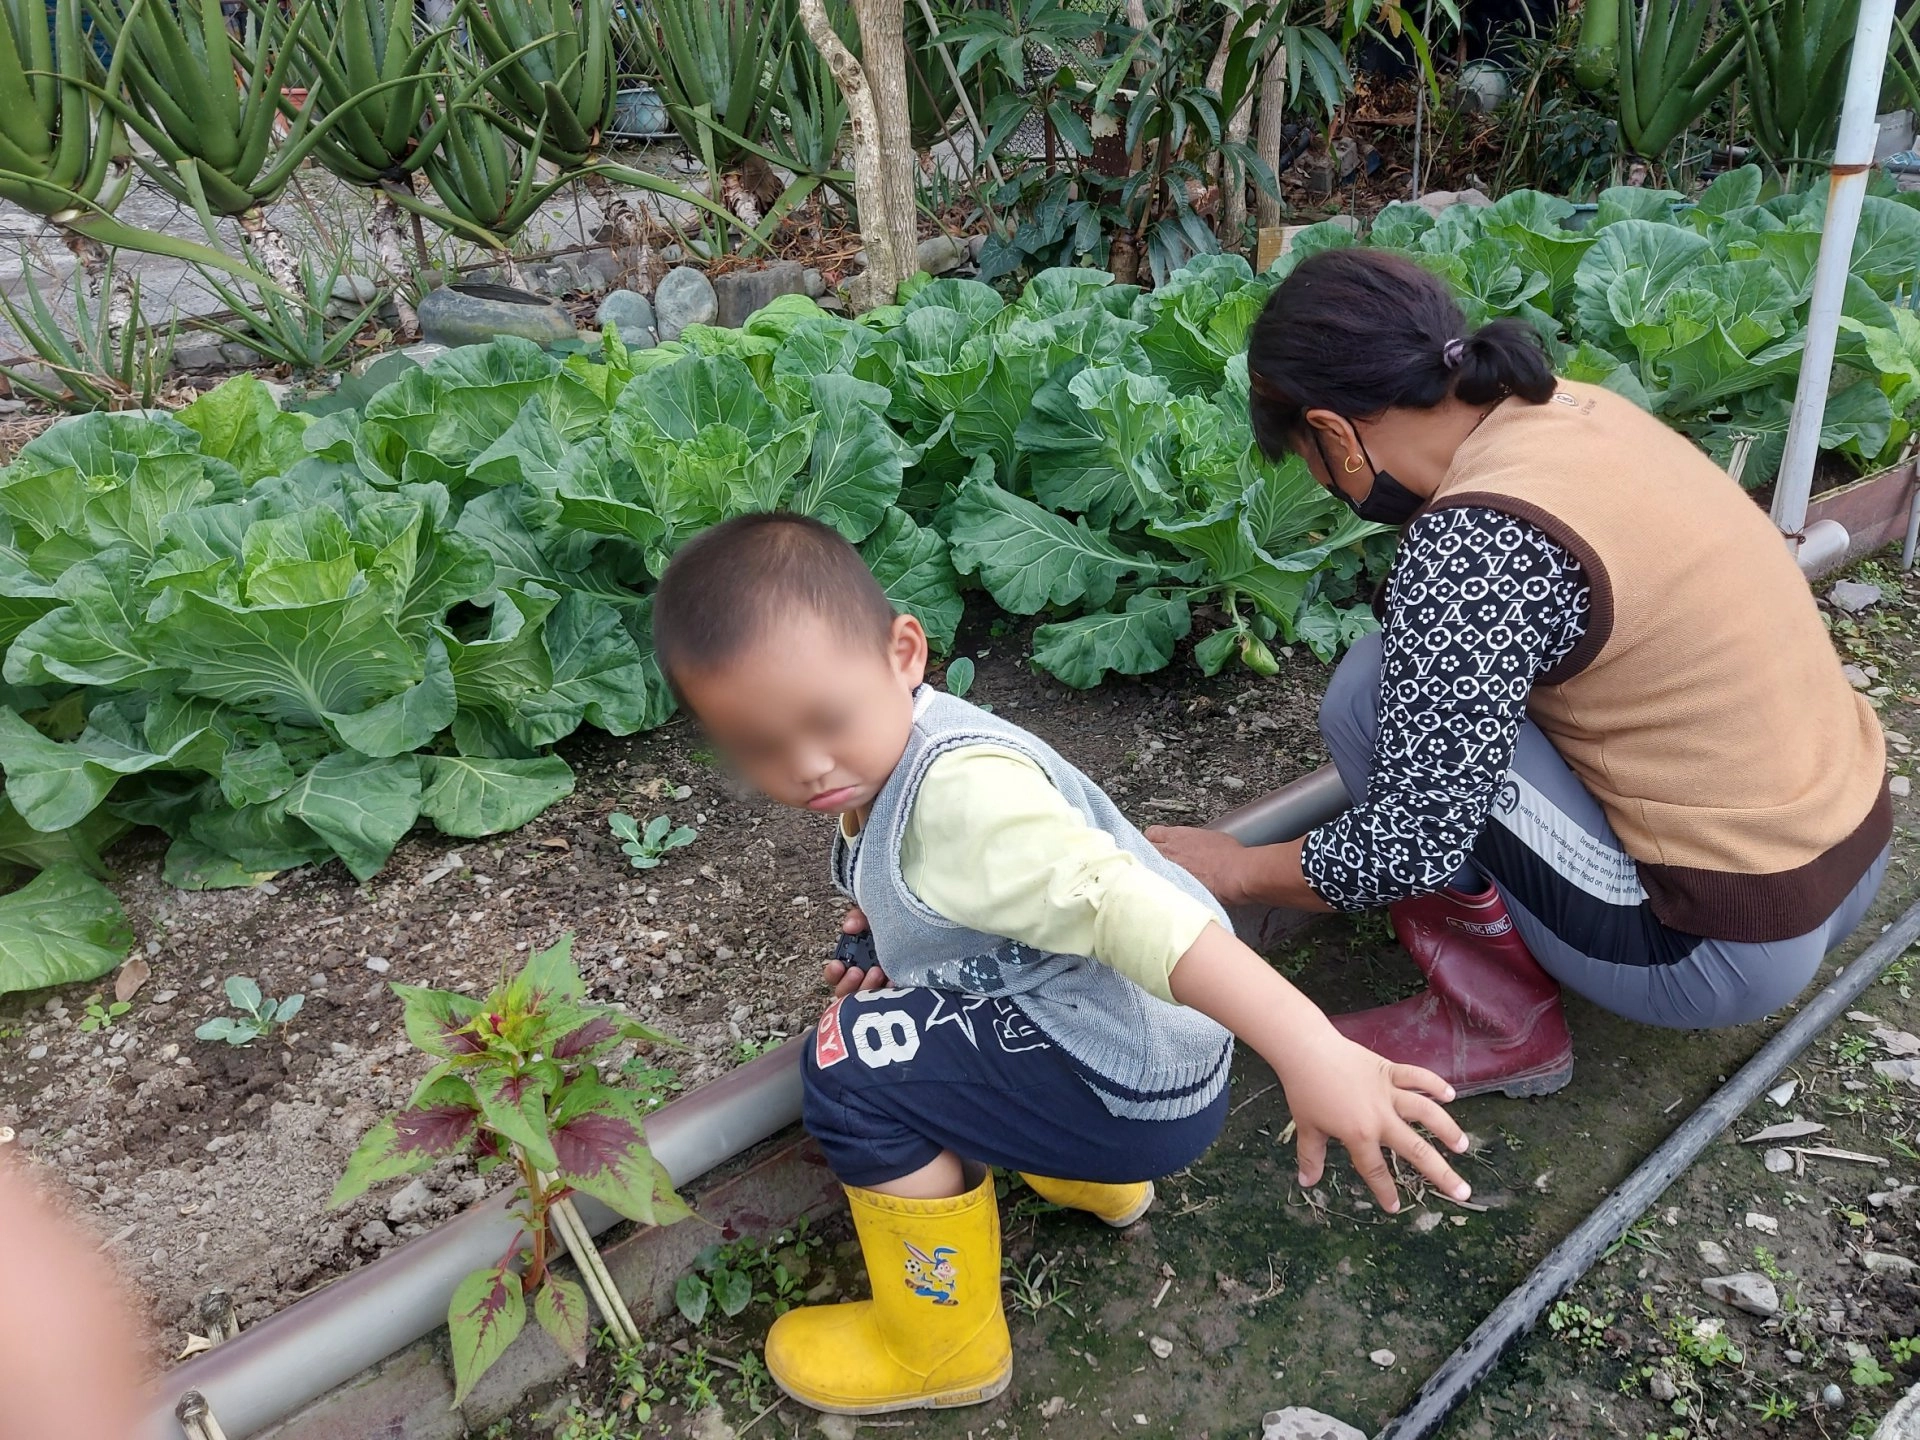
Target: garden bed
{"x": 207, "y": 1166}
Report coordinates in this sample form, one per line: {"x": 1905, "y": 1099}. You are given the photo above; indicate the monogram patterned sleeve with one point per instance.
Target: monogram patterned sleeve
{"x": 1480, "y": 605}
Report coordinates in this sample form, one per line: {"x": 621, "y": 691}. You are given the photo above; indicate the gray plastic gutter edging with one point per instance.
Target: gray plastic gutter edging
{"x": 318, "y": 1344}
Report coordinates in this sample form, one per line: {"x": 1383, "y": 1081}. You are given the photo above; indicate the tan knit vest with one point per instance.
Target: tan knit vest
{"x": 1704, "y": 708}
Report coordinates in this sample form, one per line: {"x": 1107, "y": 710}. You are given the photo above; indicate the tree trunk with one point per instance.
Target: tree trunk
{"x": 1273, "y": 115}
{"x": 1233, "y": 192}
{"x": 387, "y": 227}
{"x": 876, "y": 95}
{"x": 276, "y": 257}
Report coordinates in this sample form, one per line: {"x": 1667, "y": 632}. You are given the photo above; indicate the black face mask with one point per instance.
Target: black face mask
{"x": 1387, "y": 503}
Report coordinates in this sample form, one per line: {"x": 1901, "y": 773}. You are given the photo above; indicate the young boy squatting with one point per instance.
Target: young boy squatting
{"x": 1054, "y": 994}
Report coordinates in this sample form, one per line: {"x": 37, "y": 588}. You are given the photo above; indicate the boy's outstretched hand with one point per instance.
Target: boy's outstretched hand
{"x": 1336, "y": 1089}
{"x": 1343, "y": 1091}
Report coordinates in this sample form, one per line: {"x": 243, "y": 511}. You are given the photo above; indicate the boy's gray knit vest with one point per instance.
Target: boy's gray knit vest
{"x": 1145, "y": 1058}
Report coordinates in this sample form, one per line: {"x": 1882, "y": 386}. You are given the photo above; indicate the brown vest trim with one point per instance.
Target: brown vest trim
{"x": 1756, "y": 909}
{"x": 1600, "y": 587}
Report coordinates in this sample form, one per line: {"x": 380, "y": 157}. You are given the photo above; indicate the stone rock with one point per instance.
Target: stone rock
{"x": 1832, "y": 1396}
{"x": 1794, "y": 1357}
{"x": 198, "y": 356}
{"x": 474, "y": 314}
{"x": 631, "y": 313}
{"x": 813, "y": 284}
{"x": 1778, "y": 1162}
{"x": 1297, "y": 1422}
{"x": 683, "y": 297}
{"x": 739, "y": 293}
{"x": 554, "y": 277}
{"x": 975, "y": 244}
{"x": 1385, "y": 1359}
{"x": 1907, "y": 1070}
{"x": 239, "y": 356}
{"x": 376, "y": 1235}
{"x": 939, "y": 254}
{"x": 1434, "y": 201}
{"x": 1856, "y": 677}
{"x": 1903, "y": 1421}
{"x": 1714, "y": 1256}
{"x": 1899, "y": 786}
{"x": 1749, "y": 1291}
{"x": 1881, "y": 1263}
{"x": 409, "y": 1202}
{"x": 1852, "y": 596}
{"x": 355, "y": 290}
{"x": 424, "y": 352}
{"x": 1661, "y": 1387}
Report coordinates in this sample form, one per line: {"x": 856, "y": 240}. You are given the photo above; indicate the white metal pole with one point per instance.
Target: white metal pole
{"x": 1847, "y": 188}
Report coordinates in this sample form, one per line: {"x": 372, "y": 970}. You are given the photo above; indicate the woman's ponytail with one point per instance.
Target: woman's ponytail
{"x": 1360, "y": 331}
{"x": 1501, "y": 358}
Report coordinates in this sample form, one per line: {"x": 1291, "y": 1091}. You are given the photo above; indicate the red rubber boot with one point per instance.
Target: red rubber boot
{"x": 1490, "y": 1017}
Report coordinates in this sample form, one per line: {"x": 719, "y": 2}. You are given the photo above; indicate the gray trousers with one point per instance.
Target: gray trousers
{"x": 1575, "y": 895}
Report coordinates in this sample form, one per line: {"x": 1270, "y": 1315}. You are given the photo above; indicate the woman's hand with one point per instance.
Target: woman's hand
{"x": 849, "y": 979}
{"x": 1337, "y": 1089}
{"x": 1217, "y": 861}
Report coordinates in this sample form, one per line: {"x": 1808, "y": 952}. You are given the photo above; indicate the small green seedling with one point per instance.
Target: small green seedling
{"x": 959, "y": 675}
{"x": 647, "y": 848}
{"x": 101, "y": 1016}
{"x": 259, "y": 1016}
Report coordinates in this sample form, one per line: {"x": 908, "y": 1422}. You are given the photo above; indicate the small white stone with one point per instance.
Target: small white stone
{"x": 1778, "y": 1162}
{"x": 1881, "y": 1263}
{"x": 1748, "y": 1291}
{"x": 1765, "y": 1224}
{"x": 1385, "y": 1359}
{"x": 1899, "y": 786}
{"x": 1428, "y": 1220}
{"x": 379, "y": 964}
{"x": 1160, "y": 1345}
{"x": 38, "y": 1052}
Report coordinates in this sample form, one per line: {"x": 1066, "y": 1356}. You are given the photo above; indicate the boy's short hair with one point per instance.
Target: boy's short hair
{"x": 726, "y": 586}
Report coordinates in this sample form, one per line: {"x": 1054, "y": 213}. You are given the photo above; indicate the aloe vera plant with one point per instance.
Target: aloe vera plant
{"x": 367, "y": 68}
{"x": 710, "y": 60}
{"x": 488, "y": 186}
{"x": 1670, "y": 73}
{"x": 548, "y": 60}
{"x": 550, "y": 68}
{"x": 1796, "y": 64}
{"x": 58, "y": 138}
{"x": 205, "y": 101}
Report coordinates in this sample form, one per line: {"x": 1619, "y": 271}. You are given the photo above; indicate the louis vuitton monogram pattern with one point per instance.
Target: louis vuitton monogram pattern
{"x": 1479, "y": 606}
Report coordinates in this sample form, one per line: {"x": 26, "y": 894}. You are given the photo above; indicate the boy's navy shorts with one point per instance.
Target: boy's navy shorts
{"x": 894, "y": 1077}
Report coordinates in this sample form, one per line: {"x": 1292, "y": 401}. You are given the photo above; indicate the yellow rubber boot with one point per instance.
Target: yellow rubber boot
{"x": 933, "y": 1335}
{"x": 1118, "y": 1205}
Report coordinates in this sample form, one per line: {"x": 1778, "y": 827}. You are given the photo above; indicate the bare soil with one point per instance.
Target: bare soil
{"x": 204, "y": 1166}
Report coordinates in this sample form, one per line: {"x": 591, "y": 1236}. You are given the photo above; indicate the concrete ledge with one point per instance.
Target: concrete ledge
{"x": 1873, "y": 510}
{"x": 409, "y": 1396}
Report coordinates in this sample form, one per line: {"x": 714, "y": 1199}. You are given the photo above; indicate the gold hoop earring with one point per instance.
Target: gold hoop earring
{"x": 1352, "y": 464}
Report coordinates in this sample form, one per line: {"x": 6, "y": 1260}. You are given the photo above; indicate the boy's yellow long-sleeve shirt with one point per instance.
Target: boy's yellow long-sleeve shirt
{"x": 993, "y": 846}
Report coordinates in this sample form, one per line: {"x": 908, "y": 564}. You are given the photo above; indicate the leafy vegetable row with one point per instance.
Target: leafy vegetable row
{"x": 283, "y": 638}
{"x": 1697, "y": 311}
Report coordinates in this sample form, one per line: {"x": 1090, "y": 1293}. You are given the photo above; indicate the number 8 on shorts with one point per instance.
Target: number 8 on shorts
{"x": 886, "y": 1038}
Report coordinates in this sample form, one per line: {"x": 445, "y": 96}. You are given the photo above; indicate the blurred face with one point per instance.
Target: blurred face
{"x": 813, "y": 718}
